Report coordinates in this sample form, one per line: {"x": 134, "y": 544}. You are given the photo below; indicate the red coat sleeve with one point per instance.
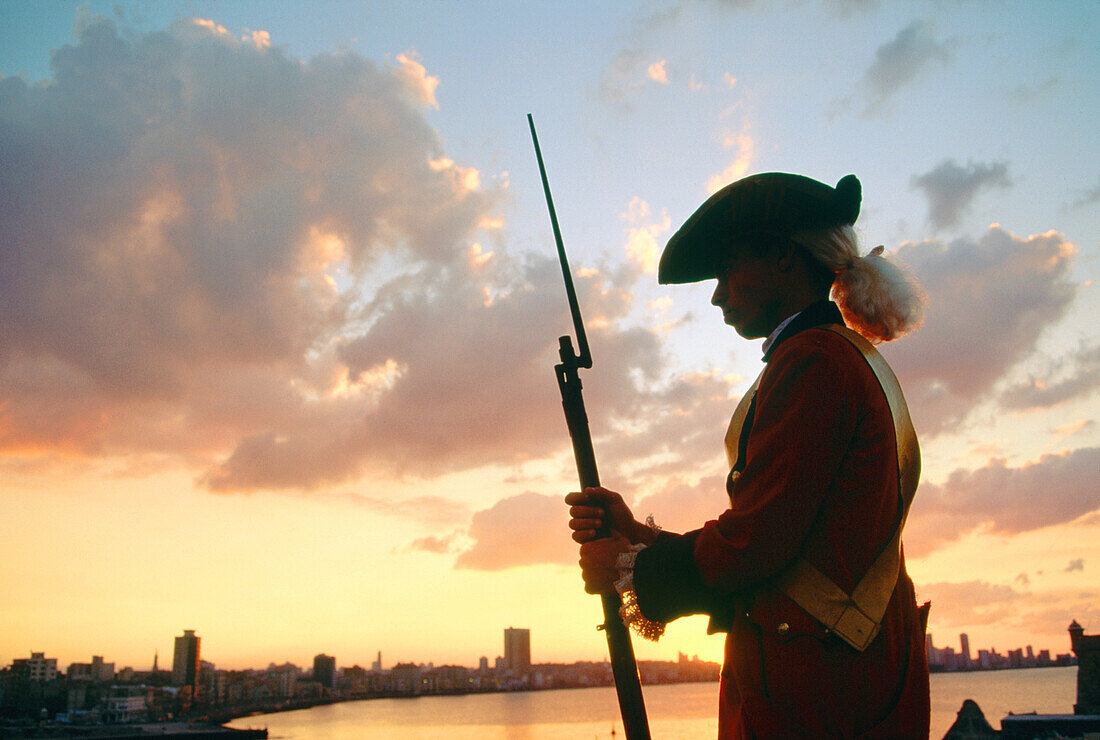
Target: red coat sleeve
{"x": 807, "y": 409}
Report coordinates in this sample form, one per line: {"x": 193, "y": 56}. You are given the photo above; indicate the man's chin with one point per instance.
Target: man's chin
{"x": 745, "y": 332}
{"x": 743, "y": 329}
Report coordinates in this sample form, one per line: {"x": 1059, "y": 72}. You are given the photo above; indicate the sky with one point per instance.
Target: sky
{"x": 279, "y": 307}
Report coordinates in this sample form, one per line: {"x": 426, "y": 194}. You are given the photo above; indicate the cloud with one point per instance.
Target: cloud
{"x": 528, "y": 529}
{"x": 970, "y": 603}
{"x": 671, "y": 432}
{"x": 622, "y": 77}
{"x": 1058, "y": 384}
{"x": 1068, "y": 430}
{"x": 434, "y": 545}
{"x": 215, "y": 210}
{"x": 433, "y": 510}
{"x": 1077, "y": 564}
{"x": 642, "y": 233}
{"x": 416, "y": 77}
{"x": 744, "y": 145}
{"x": 680, "y": 505}
{"x": 1088, "y": 198}
{"x": 1052, "y": 490}
{"x": 900, "y": 61}
{"x": 287, "y": 292}
{"x": 989, "y": 301}
{"x": 658, "y": 71}
{"x": 845, "y": 8}
{"x": 951, "y": 189}
{"x": 1027, "y": 94}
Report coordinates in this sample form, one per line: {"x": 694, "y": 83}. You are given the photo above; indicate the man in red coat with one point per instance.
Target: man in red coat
{"x": 804, "y": 571}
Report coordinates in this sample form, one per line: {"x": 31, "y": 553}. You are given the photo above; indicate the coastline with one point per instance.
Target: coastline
{"x": 197, "y": 730}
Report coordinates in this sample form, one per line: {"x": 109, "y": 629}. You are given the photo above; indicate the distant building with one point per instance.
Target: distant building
{"x": 97, "y": 671}
{"x": 517, "y": 650}
{"x": 185, "y": 659}
{"x": 127, "y": 703}
{"x": 37, "y": 668}
{"x": 376, "y": 666}
{"x": 324, "y": 670}
{"x": 406, "y": 678}
{"x": 964, "y": 643}
{"x": 283, "y": 679}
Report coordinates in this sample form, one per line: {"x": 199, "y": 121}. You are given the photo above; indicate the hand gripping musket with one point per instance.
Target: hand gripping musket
{"x": 624, "y": 668}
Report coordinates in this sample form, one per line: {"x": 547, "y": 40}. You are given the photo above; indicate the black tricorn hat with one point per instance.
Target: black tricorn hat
{"x": 772, "y": 201}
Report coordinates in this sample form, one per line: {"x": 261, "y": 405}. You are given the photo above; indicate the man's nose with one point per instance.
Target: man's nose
{"x": 719, "y": 295}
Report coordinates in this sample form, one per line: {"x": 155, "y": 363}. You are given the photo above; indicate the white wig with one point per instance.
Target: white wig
{"x": 878, "y": 298}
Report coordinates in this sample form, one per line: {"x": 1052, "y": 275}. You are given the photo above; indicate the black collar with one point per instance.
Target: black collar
{"x": 820, "y": 313}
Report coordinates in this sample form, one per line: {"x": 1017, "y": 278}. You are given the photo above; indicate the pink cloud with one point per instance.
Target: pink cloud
{"x": 528, "y": 529}
{"x": 988, "y": 303}
{"x": 1053, "y": 490}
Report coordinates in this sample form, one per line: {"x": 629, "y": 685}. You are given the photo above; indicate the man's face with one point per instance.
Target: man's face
{"x": 748, "y": 292}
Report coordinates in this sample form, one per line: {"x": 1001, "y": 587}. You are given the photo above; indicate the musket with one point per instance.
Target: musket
{"x": 624, "y": 668}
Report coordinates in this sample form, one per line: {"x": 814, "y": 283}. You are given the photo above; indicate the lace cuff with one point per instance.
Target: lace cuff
{"x": 630, "y": 613}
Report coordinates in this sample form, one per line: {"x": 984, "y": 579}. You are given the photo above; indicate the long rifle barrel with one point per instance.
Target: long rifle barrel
{"x": 624, "y": 667}
{"x": 584, "y": 357}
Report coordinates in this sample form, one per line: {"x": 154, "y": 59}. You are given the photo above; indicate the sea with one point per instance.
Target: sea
{"x": 676, "y": 711}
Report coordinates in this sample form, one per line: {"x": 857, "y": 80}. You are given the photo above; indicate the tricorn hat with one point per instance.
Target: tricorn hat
{"x": 775, "y": 201}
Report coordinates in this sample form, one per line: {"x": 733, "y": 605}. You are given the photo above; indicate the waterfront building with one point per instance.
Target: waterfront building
{"x": 127, "y": 703}
{"x": 324, "y": 670}
{"x": 185, "y": 659}
{"x": 283, "y": 679}
{"x": 964, "y": 644}
{"x": 517, "y": 650}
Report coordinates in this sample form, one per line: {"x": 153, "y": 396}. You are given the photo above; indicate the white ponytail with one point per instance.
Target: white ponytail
{"x": 877, "y": 298}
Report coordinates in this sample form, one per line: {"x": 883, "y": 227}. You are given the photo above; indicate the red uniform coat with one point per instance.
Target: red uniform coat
{"x": 819, "y": 480}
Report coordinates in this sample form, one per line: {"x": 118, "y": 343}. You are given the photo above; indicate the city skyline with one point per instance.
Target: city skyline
{"x": 516, "y": 654}
{"x": 279, "y": 309}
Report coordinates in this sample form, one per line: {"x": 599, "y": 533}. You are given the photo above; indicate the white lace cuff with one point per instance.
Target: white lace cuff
{"x": 630, "y": 613}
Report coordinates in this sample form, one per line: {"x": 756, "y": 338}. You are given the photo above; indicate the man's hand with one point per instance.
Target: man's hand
{"x": 598, "y": 563}
{"x": 588, "y": 509}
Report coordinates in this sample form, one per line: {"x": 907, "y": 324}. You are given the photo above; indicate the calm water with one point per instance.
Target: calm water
{"x": 677, "y": 711}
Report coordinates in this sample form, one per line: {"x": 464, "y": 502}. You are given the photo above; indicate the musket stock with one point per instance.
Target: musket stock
{"x": 624, "y": 667}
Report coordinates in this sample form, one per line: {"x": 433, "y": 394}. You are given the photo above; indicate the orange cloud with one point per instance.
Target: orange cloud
{"x": 528, "y": 529}
{"x": 416, "y": 77}
{"x": 658, "y": 72}
{"x": 745, "y": 146}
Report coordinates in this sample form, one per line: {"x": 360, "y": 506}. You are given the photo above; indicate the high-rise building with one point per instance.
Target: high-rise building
{"x": 185, "y": 659}
{"x": 324, "y": 670}
{"x": 517, "y": 650}
{"x": 964, "y": 643}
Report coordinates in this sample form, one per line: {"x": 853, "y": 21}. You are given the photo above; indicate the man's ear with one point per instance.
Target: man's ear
{"x": 786, "y": 256}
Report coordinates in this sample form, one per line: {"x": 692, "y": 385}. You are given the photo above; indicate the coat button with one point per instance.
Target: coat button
{"x": 783, "y": 628}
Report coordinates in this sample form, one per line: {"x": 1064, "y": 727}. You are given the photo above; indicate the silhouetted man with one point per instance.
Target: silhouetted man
{"x": 804, "y": 571}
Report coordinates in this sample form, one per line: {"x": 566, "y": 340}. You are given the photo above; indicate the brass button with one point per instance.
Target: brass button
{"x": 783, "y": 628}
